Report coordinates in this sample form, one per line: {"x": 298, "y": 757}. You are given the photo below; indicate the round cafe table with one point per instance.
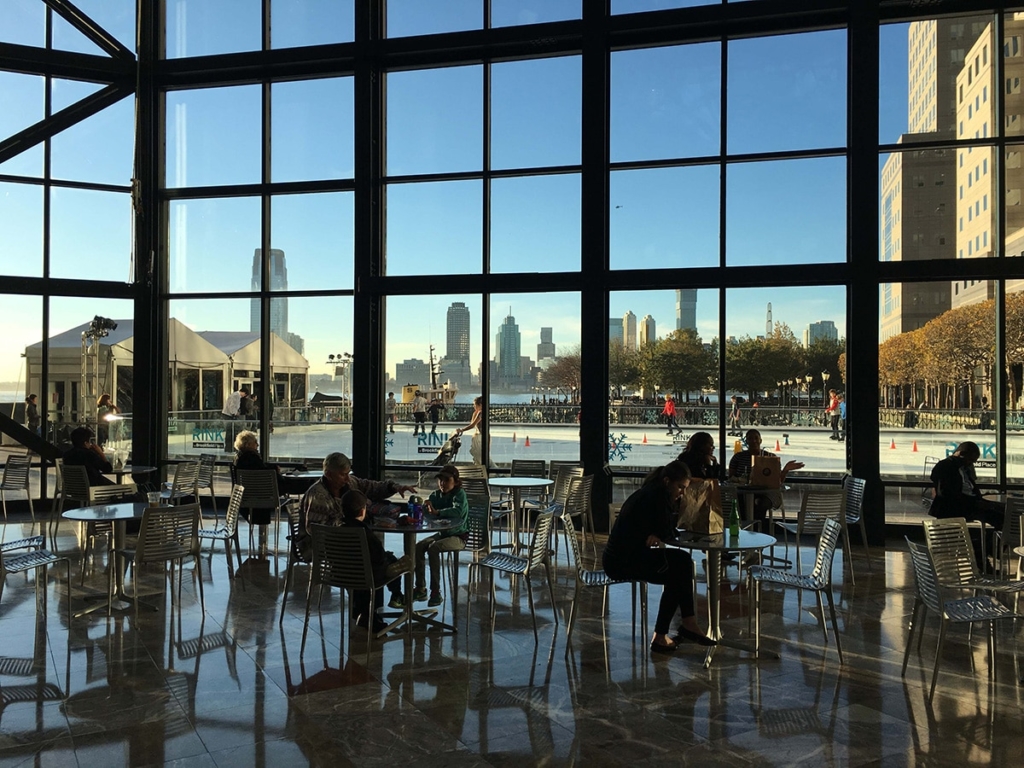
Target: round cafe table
{"x": 408, "y": 616}
{"x": 517, "y": 485}
{"x": 715, "y": 545}
{"x": 119, "y": 515}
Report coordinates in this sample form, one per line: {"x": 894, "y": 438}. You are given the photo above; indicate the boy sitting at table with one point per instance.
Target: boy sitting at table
{"x": 386, "y": 567}
{"x": 450, "y": 502}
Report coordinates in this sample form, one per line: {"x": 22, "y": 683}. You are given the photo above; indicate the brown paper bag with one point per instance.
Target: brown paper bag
{"x": 700, "y": 507}
{"x": 766, "y": 472}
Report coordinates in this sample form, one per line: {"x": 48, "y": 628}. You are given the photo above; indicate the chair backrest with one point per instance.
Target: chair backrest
{"x": 555, "y": 465}
{"x": 186, "y": 480}
{"x": 578, "y": 495}
{"x": 818, "y": 506}
{"x": 16, "y": 473}
{"x": 541, "y": 535}
{"x": 561, "y": 489}
{"x": 207, "y": 464}
{"x": 925, "y": 578}
{"x": 570, "y": 533}
{"x": 260, "y": 488}
{"x": 1012, "y": 524}
{"x": 854, "y": 488}
{"x": 473, "y": 471}
{"x": 234, "y": 505}
{"x": 528, "y": 468}
{"x": 296, "y": 533}
{"x": 341, "y": 557}
{"x": 168, "y": 533}
{"x": 104, "y": 493}
{"x": 479, "y": 522}
{"x": 75, "y": 483}
{"x": 951, "y": 551}
{"x": 827, "y": 541}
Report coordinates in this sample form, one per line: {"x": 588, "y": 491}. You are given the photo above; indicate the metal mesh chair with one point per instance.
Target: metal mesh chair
{"x": 29, "y": 561}
{"x": 952, "y": 554}
{"x": 167, "y": 535}
{"x": 578, "y": 495}
{"x": 854, "y": 489}
{"x": 15, "y": 478}
{"x": 75, "y": 488}
{"x": 1011, "y": 536}
{"x": 296, "y": 552}
{"x": 597, "y": 579}
{"x": 819, "y": 581}
{"x": 969, "y": 610}
{"x": 524, "y": 566}
{"x": 185, "y": 483}
{"x": 816, "y": 507}
{"x": 261, "y": 494}
{"x": 341, "y": 558}
{"x": 204, "y": 480}
{"x": 229, "y": 533}
{"x": 478, "y": 538}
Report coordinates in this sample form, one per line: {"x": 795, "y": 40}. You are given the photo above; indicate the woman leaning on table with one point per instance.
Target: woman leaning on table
{"x": 635, "y": 552}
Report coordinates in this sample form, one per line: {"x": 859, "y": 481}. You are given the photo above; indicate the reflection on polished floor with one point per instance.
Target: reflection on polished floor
{"x": 230, "y": 688}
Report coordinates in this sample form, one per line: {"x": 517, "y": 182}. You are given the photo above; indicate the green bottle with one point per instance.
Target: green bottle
{"x": 734, "y": 520}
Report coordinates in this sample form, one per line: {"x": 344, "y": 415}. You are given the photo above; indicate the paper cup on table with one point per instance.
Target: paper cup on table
{"x": 154, "y": 498}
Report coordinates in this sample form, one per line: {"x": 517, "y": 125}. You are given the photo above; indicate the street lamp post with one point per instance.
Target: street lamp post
{"x": 807, "y": 380}
{"x": 825, "y": 376}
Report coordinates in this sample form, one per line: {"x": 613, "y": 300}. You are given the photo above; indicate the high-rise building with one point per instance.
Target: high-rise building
{"x": 457, "y": 337}
{"x": 686, "y": 309}
{"x": 629, "y": 330}
{"x": 413, "y": 371}
{"x": 768, "y": 325}
{"x": 278, "y": 306}
{"x": 823, "y": 330}
{"x": 546, "y": 348}
{"x": 507, "y": 347}
{"x": 615, "y": 331}
{"x": 919, "y": 194}
{"x": 976, "y": 204}
{"x": 647, "y": 330}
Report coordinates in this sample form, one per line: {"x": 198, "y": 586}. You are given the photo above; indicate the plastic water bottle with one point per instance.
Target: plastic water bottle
{"x": 734, "y": 520}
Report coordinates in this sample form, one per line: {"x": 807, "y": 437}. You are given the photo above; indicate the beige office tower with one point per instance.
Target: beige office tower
{"x": 648, "y": 330}
{"x": 629, "y": 330}
{"x": 918, "y": 190}
{"x": 977, "y": 206}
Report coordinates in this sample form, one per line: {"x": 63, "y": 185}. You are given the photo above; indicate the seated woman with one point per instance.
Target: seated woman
{"x": 699, "y": 457}
{"x": 739, "y": 468}
{"x": 247, "y": 456}
{"x": 634, "y": 553}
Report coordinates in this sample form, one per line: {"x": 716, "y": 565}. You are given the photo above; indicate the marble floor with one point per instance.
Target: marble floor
{"x": 229, "y": 687}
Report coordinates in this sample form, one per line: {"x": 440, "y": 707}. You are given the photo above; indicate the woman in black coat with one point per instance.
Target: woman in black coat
{"x": 635, "y": 552}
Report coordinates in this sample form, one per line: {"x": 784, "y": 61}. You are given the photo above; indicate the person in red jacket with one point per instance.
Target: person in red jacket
{"x": 669, "y": 412}
{"x": 832, "y": 412}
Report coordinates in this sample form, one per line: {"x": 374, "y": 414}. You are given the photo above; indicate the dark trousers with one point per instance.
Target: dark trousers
{"x": 361, "y": 597}
{"x": 672, "y": 424}
{"x": 672, "y": 568}
{"x": 835, "y": 426}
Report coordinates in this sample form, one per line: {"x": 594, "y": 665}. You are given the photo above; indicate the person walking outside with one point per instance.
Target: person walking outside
{"x": 435, "y": 414}
{"x": 832, "y": 412}
{"x": 32, "y": 420}
{"x": 419, "y": 413}
{"x": 390, "y": 406}
{"x": 669, "y": 412}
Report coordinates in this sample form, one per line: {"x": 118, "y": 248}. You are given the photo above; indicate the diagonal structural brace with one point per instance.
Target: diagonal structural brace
{"x": 62, "y": 120}
{"x": 80, "y": 21}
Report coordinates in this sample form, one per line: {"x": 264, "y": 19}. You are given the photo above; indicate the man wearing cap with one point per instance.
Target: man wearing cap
{"x": 321, "y": 504}
{"x": 450, "y": 502}
{"x": 85, "y": 453}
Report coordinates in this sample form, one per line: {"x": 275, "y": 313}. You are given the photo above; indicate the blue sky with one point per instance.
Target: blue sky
{"x": 664, "y": 102}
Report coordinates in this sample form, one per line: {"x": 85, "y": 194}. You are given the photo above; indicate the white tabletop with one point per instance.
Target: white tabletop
{"x": 747, "y": 540}
{"x": 127, "y": 511}
{"x": 519, "y": 482}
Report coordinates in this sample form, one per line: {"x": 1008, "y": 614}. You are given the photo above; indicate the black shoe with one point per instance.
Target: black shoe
{"x": 694, "y": 637}
{"x": 664, "y": 649}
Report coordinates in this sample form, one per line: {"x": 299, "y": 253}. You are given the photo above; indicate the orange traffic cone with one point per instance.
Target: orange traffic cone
{"x": 527, "y": 443}
{"x": 892, "y": 445}
{"x": 778, "y": 448}
{"x": 645, "y": 439}
{"x": 913, "y": 448}
{"x": 513, "y": 437}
